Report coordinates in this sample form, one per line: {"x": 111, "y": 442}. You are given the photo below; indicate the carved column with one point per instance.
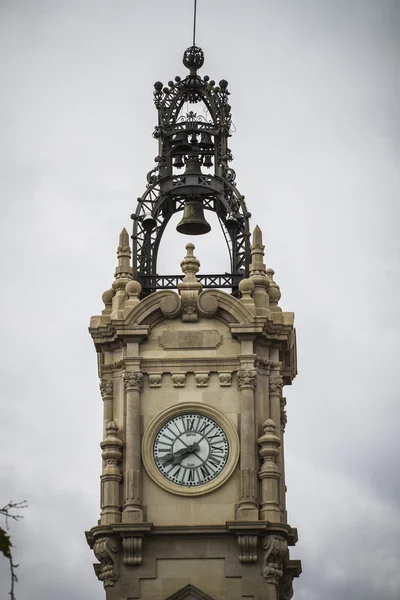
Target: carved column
{"x": 282, "y": 461}
{"x": 275, "y": 397}
{"x": 106, "y": 389}
{"x": 132, "y": 506}
{"x": 248, "y": 508}
{"x": 111, "y": 477}
{"x": 269, "y": 474}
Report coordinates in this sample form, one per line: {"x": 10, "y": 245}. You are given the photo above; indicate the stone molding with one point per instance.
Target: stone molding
{"x": 133, "y": 381}
{"x": 106, "y": 387}
{"x": 247, "y": 378}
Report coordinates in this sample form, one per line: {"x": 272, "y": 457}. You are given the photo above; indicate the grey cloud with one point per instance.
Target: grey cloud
{"x": 315, "y": 104}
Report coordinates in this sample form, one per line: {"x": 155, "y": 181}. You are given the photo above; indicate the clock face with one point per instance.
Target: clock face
{"x": 190, "y": 449}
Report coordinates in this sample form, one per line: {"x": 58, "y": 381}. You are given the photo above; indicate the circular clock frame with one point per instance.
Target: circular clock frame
{"x": 174, "y": 411}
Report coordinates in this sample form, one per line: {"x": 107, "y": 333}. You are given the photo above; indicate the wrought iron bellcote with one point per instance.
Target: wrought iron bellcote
{"x": 196, "y": 141}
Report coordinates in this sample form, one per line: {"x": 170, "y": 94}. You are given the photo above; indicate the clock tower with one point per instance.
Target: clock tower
{"x": 192, "y": 368}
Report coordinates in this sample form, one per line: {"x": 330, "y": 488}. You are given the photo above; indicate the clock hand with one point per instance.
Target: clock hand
{"x": 177, "y": 456}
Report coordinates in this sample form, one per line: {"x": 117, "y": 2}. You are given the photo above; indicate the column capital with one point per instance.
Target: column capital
{"x": 247, "y": 378}
{"x": 275, "y": 385}
{"x": 133, "y": 380}
{"x": 106, "y": 387}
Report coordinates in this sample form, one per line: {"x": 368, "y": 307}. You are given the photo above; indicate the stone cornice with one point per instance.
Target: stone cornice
{"x": 237, "y": 527}
{"x": 169, "y": 364}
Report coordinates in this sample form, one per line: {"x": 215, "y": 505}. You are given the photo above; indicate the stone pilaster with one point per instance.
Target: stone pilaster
{"x": 282, "y": 461}
{"x": 248, "y": 508}
{"x": 275, "y": 399}
{"x": 269, "y": 474}
{"x": 132, "y": 512}
{"x": 106, "y": 390}
{"x": 111, "y": 476}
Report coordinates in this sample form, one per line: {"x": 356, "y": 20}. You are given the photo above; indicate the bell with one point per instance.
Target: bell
{"x": 148, "y": 222}
{"x": 193, "y": 166}
{"x": 180, "y": 143}
{"x": 206, "y": 141}
{"x": 231, "y": 223}
{"x": 207, "y": 162}
{"x": 178, "y": 162}
{"x": 193, "y": 221}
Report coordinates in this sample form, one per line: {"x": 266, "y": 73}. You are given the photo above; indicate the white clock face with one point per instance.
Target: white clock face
{"x": 191, "y": 449}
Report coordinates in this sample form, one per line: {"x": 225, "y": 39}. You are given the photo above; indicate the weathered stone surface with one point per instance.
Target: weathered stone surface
{"x": 181, "y": 339}
{"x": 178, "y": 354}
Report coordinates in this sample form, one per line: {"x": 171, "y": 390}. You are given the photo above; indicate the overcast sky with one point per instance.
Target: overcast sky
{"x": 315, "y": 102}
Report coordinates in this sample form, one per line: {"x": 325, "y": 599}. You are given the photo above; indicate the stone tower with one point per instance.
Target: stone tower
{"x": 191, "y": 376}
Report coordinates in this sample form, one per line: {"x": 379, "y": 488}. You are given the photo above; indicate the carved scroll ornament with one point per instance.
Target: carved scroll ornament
{"x": 105, "y": 550}
{"x": 276, "y": 549}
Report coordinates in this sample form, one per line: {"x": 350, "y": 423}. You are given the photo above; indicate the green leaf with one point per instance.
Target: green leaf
{"x": 5, "y": 543}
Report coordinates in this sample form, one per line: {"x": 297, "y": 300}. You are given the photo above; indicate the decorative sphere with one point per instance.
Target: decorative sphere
{"x": 108, "y": 296}
{"x": 158, "y": 86}
{"x": 133, "y": 288}
{"x": 193, "y": 58}
{"x": 246, "y": 286}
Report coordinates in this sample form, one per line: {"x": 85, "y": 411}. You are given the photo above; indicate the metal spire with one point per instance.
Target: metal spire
{"x": 194, "y": 22}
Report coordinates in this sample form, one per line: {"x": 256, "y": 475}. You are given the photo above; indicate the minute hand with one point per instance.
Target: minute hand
{"x": 176, "y": 457}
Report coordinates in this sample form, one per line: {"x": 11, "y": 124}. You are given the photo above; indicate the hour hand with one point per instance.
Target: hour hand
{"x": 176, "y": 457}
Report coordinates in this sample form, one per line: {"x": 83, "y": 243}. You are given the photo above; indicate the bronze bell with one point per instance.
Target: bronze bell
{"x": 180, "y": 143}
{"x": 178, "y": 162}
{"x": 207, "y": 162}
{"x": 231, "y": 223}
{"x": 193, "y": 221}
{"x": 206, "y": 141}
{"x": 193, "y": 166}
{"x": 148, "y": 222}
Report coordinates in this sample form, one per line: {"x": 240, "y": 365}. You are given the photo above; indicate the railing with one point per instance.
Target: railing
{"x": 170, "y": 282}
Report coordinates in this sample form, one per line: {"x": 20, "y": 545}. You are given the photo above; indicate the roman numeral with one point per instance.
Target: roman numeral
{"x": 176, "y": 473}
{"x": 191, "y": 476}
{"x": 211, "y": 437}
{"x": 190, "y": 424}
{"x": 205, "y": 471}
{"x": 214, "y": 460}
{"x": 204, "y": 427}
{"x": 217, "y": 449}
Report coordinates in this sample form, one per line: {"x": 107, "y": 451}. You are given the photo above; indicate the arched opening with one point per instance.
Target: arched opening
{"x": 211, "y": 249}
